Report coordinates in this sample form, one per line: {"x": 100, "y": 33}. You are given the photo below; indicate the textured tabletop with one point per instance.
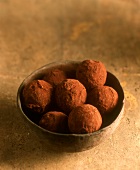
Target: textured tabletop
{"x": 37, "y": 32}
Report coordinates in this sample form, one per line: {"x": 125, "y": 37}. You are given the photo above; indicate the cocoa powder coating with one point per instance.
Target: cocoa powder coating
{"x": 55, "y": 76}
{"x": 69, "y": 94}
{"x": 55, "y": 121}
{"x": 63, "y": 99}
{"x": 91, "y": 73}
{"x": 37, "y": 95}
{"x": 105, "y": 98}
{"x": 84, "y": 119}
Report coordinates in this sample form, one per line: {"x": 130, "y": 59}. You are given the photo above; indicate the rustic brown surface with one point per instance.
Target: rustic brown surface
{"x": 37, "y": 32}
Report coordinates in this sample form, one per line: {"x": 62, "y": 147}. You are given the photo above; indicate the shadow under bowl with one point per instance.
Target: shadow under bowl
{"x": 73, "y": 142}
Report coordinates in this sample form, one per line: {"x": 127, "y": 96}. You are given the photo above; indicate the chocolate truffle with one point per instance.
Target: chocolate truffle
{"x": 54, "y": 121}
{"x": 105, "y": 98}
{"x": 55, "y": 76}
{"x": 84, "y": 119}
{"x": 37, "y": 95}
{"x": 91, "y": 73}
{"x": 69, "y": 94}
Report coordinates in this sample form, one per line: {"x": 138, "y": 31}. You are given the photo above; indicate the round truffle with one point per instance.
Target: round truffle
{"x": 105, "y": 98}
{"x": 69, "y": 94}
{"x": 84, "y": 119}
{"x": 55, "y": 121}
{"x": 55, "y": 76}
{"x": 91, "y": 73}
{"x": 37, "y": 95}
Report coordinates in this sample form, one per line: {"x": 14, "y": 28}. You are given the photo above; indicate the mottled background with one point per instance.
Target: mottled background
{"x": 36, "y": 32}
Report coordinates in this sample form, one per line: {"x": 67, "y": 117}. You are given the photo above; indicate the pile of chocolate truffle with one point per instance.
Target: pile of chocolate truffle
{"x": 76, "y": 105}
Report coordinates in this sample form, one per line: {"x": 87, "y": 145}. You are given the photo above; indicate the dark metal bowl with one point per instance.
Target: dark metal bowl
{"x": 74, "y": 142}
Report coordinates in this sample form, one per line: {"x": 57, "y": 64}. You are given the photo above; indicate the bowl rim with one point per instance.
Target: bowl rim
{"x": 55, "y": 133}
